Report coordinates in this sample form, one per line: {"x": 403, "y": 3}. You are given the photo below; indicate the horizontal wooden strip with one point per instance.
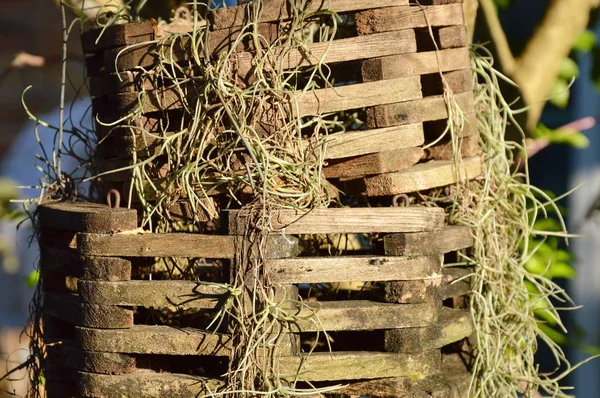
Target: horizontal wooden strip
{"x": 69, "y": 308}
{"x": 449, "y": 239}
{"x": 363, "y": 142}
{"x": 68, "y": 354}
{"x": 363, "y": 315}
{"x": 469, "y": 146}
{"x": 145, "y": 384}
{"x": 278, "y": 10}
{"x": 457, "y": 281}
{"x": 452, "y": 37}
{"x": 351, "y": 268}
{"x": 347, "y": 220}
{"x": 86, "y": 217}
{"x": 356, "y": 96}
{"x": 423, "y": 176}
{"x": 117, "y": 35}
{"x": 322, "y": 366}
{"x": 156, "y": 245}
{"x": 375, "y": 163}
{"x": 182, "y": 294}
{"x": 62, "y": 261}
{"x": 421, "y": 110}
{"x": 452, "y": 326}
{"x": 159, "y": 340}
{"x": 396, "y": 18}
{"x": 342, "y": 50}
{"x": 414, "y": 64}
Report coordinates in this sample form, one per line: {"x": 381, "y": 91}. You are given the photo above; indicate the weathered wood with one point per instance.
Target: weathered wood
{"x": 146, "y": 384}
{"x": 347, "y": 220}
{"x": 397, "y": 18}
{"x": 452, "y": 326}
{"x": 69, "y": 308}
{"x": 278, "y": 10}
{"x": 86, "y": 217}
{"x": 363, "y": 315}
{"x": 450, "y": 238}
{"x": 457, "y": 281}
{"x": 110, "y": 269}
{"x": 469, "y": 146}
{"x": 351, "y": 269}
{"x": 115, "y": 35}
{"x": 421, "y": 110}
{"x": 415, "y": 291}
{"x": 452, "y": 37}
{"x": 162, "y": 99}
{"x": 415, "y": 64}
{"x": 376, "y": 163}
{"x": 88, "y": 361}
{"x": 356, "y": 96}
{"x": 452, "y": 381}
{"x": 63, "y": 261}
{"x": 363, "y": 142}
{"x": 160, "y": 340}
{"x": 359, "y": 365}
{"x": 457, "y": 81}
{"x": 181, "y": 294}
{"x": 156, "y": 245}
{"x": 351, "y": 49}
{"x": 423, "y": 176}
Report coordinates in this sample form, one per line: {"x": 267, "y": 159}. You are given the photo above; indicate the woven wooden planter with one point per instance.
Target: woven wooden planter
{"x": 103, "y": 339}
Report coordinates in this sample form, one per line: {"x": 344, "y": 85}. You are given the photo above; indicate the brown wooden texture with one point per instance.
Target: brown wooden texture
{"x": 363, "y": 315}
{"x": 160, "y": 340}
{"x": 469, "y": 146}
{"x": 397, "y": 18}
{"x": 144, "y": 384}
{"x": 109, "y": 269}
{"x": 363, "y": 142}
{"x": 348, "y": 220}
{"x": 415, "y": 291}
{"x": 156, "y": 245}
{"x": 360, "y": 365}
{"x": 422, "y": 110}
{"x": 86, "y": 217}
{"x": 414, "y": 64}
{"x": 452, "y": 326}
{"x": 69, "y": 308}
{"x": 180, "y": 294}
{"x": 376, "y": 163}
{"x": 450, "y": 238}
{"x": 350, "y": 269}
{"x": 278, "y": 10}
{"x": 63, "y": 261}
{"x": 457, "y": 281}
{"x": 356, "y": 96}
{"x": 423, "y": 176}
{"x": 88, "y": 361}
{"x": 121, "y": 35}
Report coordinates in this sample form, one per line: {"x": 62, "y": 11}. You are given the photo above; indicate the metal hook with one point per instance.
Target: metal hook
{"x": 402, "y": 195}
{"x": 117, "y": 195}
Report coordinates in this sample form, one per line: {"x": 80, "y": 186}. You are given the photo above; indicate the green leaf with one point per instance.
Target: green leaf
{"x": 562, "y": 270}
{"x": 573, "y": 138}
{"x": 560, "y": 93}
{"x": 569, "y": 69}
{"x": 33, "y": 278}
{"x": 585, "y": 42}
{"x": 553, "y": 334}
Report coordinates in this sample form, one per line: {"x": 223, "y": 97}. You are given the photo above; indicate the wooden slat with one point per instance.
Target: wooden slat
{"x": 356, "y": 96}
{"x": 375, "y": 163}
{"x": 160, "y": 340}
{"x": 68, "y": 354}
{"x": 457, "y": 281}
{"x": 363, "y": 315}
{"x": 351, "y": 49}
{"x": 414, "y": 64}
{"x": 469, "y": 146}
{"x": 449, "y": 239}
{"x": 396, "y": 18}
{"x": 348, "y": 220}
{"x": 323, "y": 366}
{"x": 145, "y": 384}
{"x": 452, "y": 326}
{"x": 421, "y": 110}
{"x": 423, "y": 176}
{"x": 86, "y": 217}
{"x": 278, "y": 10}
{"x": 363, "y": 142}
{"x": 115, "y": 35}
{"x": 156, "y": 245}
{"x": 453, "y": 37}
{"x": 182, "y": 294}
{"x": 351, "y": 269}
{"x": 63, "y": 261}
{"x": 69, "y": 308}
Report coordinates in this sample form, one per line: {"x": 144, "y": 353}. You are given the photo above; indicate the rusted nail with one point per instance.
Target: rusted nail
{"x": 117, "y": 195}
{"x": 402, "y": 195}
